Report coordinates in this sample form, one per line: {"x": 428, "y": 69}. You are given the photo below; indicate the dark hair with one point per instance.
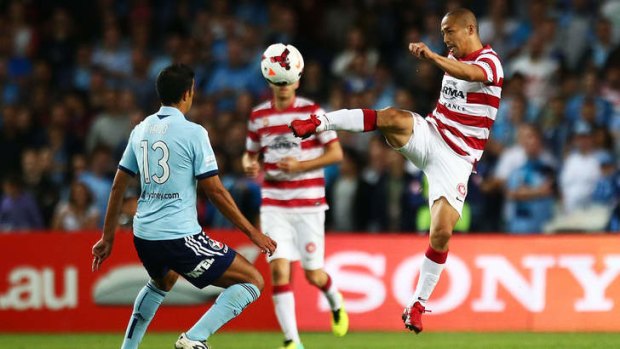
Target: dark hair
{"x": 89, "y": 194}
{"x": 173, "y": 82}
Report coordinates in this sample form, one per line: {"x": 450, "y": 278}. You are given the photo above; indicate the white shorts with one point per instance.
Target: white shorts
{"x": 300, "y": 236}
{"x": 446, "y": 171}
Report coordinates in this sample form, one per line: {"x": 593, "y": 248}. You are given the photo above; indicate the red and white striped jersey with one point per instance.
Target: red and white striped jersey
{"x": 269, "y": 134}
{"x": 466, "y": 110}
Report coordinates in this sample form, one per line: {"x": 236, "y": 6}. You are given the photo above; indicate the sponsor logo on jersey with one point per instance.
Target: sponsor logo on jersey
{"x": 450, "y": 91}
{"x": 203, "y": 266}
{"x": 283, "y": 144}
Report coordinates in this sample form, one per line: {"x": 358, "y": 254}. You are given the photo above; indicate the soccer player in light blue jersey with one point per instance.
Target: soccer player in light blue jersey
{"x": 171, "y": 155}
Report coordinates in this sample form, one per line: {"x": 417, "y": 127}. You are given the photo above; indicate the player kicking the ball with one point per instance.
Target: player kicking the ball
{"x": 293, "y": 192}
{"x": 171, "y": 155}
{"x": 445, "y": 145}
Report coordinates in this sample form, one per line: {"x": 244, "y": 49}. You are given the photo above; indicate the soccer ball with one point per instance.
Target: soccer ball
{"x": 282, "y": 64}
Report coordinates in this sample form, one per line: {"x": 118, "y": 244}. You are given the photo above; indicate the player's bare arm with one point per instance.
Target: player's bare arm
{"x": 103, "y": 248}
{"x": 224, "y": 202}
{"x": 333, "y": 154}
{"x": 453, "y": 67}
{"x": 249, "y": 162}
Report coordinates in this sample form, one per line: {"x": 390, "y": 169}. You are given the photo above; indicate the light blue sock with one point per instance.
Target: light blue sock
{"x": 227, "y": 306}
{"x": 144, "y": 308}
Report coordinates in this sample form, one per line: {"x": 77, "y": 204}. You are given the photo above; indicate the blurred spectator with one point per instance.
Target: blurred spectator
{"x": 600, "y": 47}
{"x": 81, "y": 71}
{"x": 23, "y": 34}
{"x": 112, "y": 54}
{"x": 493, "y": 183}
{"x": 588, "y": 105}
{"x": 505, "y": 128}
{"x": 497, "y": 27}
{"x": 112, "y": 126}
{"x": 405, "y": 64}
{"x": 607, "y": 189}
{"x": 530, "y": 189}
{"x": 383, "y": 88}
{"x": 39, "y": 184}
{"x": 58, "y": 47}
{"x": 373, "y": 188}
{"x": 611, "y": 92}
{"x": 397, "y": 182}
{"x": 172, "y": 45}
{"x": 610, "y": 9}
{"x": 97, "y": 179}
{"x": 432, "y": 37}
{"x": 576, "y": 22}
{"x": 538, "y": 68}
{"x": 59, "y": 142}
{"x": 11, "y": 141}
{"x": 78, "y": 213}
{"x": 345, "y": 211}
{"x": 356, "y": 52}
{"x": 140, "y": 83}
{"x": 314, "y": 85}
{"x": 233, "y": 76}
{"x": 580, "y": 172}
{"x": 18, "y": 209}
{"x": 554, "y": 126}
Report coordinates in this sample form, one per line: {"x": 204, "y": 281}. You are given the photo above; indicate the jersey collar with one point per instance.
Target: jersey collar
{"x": 473, "y": 55}
{"x": 166, "y": 111}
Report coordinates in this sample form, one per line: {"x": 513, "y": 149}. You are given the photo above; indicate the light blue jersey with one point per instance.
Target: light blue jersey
{"x": 170, "y": 154}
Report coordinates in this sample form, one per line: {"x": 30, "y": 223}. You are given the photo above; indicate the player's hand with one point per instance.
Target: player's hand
{"x": 290, "y": 165}
{"x": 420, "y": 50}
{"x": 265, "y": 243}
{"x": 101, "y": 251}
{"x": 250, "y": 167}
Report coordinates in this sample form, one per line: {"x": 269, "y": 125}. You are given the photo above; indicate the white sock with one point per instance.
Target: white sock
{"x": 284, "y": 302}
{"x": 346, "y": 120}
{"x": 429, "y": 276}
{"x": 331, "y": 293}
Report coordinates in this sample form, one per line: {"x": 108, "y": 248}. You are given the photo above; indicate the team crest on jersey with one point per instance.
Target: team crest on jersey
{"x": 310, "y": 247}
{"x": 450, "y": 91}
{"x": 216, "y": 245}
{"x": 265, "y": 122}
{"x": 461, "y": 188}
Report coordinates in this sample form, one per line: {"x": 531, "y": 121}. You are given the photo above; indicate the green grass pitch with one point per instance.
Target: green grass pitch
{"x": 361, "y": 340}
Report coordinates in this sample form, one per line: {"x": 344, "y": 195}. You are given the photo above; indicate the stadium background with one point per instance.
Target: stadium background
{"x": 76, "y": 76}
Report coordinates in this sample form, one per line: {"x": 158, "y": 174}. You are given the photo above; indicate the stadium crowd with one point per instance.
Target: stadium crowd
{"x": 76, "y": 76}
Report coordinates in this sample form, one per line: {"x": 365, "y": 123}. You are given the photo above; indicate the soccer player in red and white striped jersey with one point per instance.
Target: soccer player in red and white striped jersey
{"x": 293, "y": 191}
{"x": 445, "y": 145}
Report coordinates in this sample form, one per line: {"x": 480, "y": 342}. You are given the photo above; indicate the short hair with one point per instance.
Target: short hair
{"x": 464, "y": 17}
{"x": 173, "y": 82}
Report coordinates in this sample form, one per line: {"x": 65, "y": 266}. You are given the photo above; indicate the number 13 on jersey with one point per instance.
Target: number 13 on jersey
{"x": 162, "y": 161}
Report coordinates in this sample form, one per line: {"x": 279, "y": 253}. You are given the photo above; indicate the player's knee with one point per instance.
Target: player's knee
{"x": 440, "y": 236}
{"x": 314, "y": 277}
{"x": 165, "y": 283}
{"x": 279, "y": 277}
{"x": 257, "y": 280}
{"x": 390, "y": 118}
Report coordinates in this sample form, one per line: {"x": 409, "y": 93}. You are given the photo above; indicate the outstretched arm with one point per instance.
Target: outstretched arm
{"x": 459, "y": 70}
{"x": 103, "y": 247}
{"x": 224, "y": 202}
